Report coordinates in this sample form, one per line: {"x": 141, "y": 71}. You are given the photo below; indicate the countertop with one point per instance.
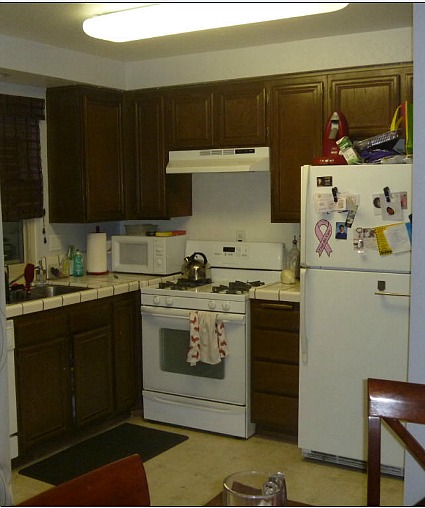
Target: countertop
{"x": 100, "y": 286}
{"x": 276, "y": 291}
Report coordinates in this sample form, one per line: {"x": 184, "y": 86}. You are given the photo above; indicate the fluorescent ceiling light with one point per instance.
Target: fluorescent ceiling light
{"x": 158, "y": 20}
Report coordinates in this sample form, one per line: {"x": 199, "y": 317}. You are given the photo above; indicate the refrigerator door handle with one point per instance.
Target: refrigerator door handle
{"x": 303, "y": 331}
{"x": 384, "y": 293}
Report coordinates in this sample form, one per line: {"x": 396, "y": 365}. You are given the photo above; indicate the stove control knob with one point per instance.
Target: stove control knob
{"x": 157, "y": 300}
{"x": 212, "y": 305}
{"x": 169, "y": 300}
{"x": 226, "y": 306}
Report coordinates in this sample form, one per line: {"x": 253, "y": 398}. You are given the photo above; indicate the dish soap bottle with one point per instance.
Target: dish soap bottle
{"x": 294, "y": 259}
{"x": 78, "y": 269}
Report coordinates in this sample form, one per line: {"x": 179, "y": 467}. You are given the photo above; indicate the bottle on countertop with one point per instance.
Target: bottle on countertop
{"x": 287, "y": 275}
{"x": 78, "y": 269}
{"x": 67, "y": 263}
{"x": 294, "y": 259}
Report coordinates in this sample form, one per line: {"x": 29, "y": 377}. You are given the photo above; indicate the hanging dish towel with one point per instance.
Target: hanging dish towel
{"x": 207, "y": 338}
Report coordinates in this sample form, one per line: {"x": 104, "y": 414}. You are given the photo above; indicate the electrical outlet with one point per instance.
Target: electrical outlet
{"x": 240, "y": 236}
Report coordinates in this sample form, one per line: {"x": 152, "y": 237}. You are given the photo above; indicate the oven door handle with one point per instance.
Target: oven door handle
{"x": 184, "y": 314}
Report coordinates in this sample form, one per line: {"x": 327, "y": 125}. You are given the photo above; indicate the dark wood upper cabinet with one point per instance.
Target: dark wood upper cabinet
{"x": 367, "y": 98}
{"x": 150, "y": 193}
{"x": 240, "y": 115}
{"x": 225, "y": 115}
{"x": 84, "y": 143}
{"x": 300, "y": 106}
{"x": 296, "y": 131}
{"x": 407, "y": 84}
{"x": 190, "y": 118}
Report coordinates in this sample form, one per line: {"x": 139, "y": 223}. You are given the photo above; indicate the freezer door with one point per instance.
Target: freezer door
{"x": 349, "y": 333}
{"x": 322, "y": 243}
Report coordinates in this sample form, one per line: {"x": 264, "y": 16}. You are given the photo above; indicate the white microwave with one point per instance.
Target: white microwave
{"x": 150, "y": 255}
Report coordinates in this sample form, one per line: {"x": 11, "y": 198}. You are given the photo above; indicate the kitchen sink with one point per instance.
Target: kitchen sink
{"x": 38, "y": 292}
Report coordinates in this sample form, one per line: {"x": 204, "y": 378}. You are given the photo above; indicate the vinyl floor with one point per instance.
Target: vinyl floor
{"x": 191, "y": 473}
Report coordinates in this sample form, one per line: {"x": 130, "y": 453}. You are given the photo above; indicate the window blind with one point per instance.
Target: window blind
{"x": 21, "y": 180}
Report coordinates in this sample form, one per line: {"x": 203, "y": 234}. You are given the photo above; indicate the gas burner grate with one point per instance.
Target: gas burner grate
{"x": 182, "y": 284}
{"x": 236, "y": 288}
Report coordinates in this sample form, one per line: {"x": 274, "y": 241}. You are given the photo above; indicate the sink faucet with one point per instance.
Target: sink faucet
{"x": 41, "y": 272}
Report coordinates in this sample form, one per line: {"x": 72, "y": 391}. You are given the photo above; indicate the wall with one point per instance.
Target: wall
{"x": 226, "y": 203}
{"x": 56, "y": 64}
{"x": 386, "y": 46}
{"x": 369, "y": 48}
{"x": 415, "y": 476}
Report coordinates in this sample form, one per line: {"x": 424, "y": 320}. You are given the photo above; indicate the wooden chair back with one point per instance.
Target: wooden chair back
{"x": 120, "y": 483}
{"x": 392, "y": 402}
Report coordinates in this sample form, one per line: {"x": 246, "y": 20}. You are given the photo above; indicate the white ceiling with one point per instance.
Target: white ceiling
{"x": 60, "y": 25}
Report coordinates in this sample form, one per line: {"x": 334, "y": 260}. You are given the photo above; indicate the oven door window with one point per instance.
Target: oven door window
{"x": 173, "y": 354}
{"x": 165, "y": 345}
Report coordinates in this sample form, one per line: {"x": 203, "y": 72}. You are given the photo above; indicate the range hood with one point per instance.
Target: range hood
{"x": 226, "y": 160}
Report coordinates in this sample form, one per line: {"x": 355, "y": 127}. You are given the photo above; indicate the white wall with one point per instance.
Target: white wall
{"x": 386, "y": 46}
{"x": 226, "y": 203}
{"x": 43, "y": 60}
{"x": 370, "y": 48}
{"x": 414, "y": 485}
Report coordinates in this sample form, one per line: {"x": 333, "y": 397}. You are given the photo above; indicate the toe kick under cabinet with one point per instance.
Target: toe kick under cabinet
{"x": 76, "y": 366}
{"x": 274, "y": 365}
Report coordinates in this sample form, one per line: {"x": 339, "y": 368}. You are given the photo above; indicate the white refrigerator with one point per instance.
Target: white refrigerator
{"x": 355, "y": 285}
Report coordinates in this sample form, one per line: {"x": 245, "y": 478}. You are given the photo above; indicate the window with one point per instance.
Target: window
{"x": 21, "y": 181}
{"x": 13, "y": 242}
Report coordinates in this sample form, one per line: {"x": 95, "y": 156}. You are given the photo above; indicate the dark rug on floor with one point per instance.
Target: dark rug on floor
{"x": 104, "y": 448}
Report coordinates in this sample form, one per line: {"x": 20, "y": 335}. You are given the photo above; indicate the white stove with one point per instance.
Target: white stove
{"x": 235, "y": 268}
{"x": 208, "y": 397}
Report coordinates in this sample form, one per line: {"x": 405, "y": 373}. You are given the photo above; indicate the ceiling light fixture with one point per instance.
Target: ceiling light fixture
{"x": 158, "y": 20}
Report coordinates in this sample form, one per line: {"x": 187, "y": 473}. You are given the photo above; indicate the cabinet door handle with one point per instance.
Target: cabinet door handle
{"x": 277, "y": 306}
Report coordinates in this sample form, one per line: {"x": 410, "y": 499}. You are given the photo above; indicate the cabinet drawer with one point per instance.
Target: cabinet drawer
{"x": 275, "y": 345}
{"x": 275, "y": 378}
{"x": 277, "y": 316}
{"x": 276, "y": 411}
{"x": 40, "y": 327}
{"x": 90, "y": 315}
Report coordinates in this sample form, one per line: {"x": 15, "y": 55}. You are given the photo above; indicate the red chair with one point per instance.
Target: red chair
{"x": 392, "y": 402}
{"x": 120, "y": 483}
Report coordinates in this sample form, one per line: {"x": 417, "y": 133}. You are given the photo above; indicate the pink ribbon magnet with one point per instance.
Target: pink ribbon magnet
{"x": 323, "y": 237}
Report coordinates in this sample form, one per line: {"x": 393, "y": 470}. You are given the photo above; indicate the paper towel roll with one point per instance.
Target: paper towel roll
{"x": 96, "y": 263}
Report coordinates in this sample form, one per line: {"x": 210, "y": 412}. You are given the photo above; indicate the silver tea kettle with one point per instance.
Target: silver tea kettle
{"x": 196, "y": 267}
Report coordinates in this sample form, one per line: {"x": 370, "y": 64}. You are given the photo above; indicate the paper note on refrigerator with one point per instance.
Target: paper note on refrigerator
{"x": 392, "y": 239}
{"x": 398, "y": 237}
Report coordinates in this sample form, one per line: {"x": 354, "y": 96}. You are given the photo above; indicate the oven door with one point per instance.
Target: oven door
{"x": 165, "y": 343}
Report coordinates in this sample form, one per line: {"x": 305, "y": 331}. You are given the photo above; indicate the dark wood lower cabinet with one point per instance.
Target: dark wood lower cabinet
{"x": 43, "y": 378}
{"x": 92, "y": 354}
{"x": 76, "y": 366}
{"x": 274, "y": 365}
{"x": 127, "y": 352}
